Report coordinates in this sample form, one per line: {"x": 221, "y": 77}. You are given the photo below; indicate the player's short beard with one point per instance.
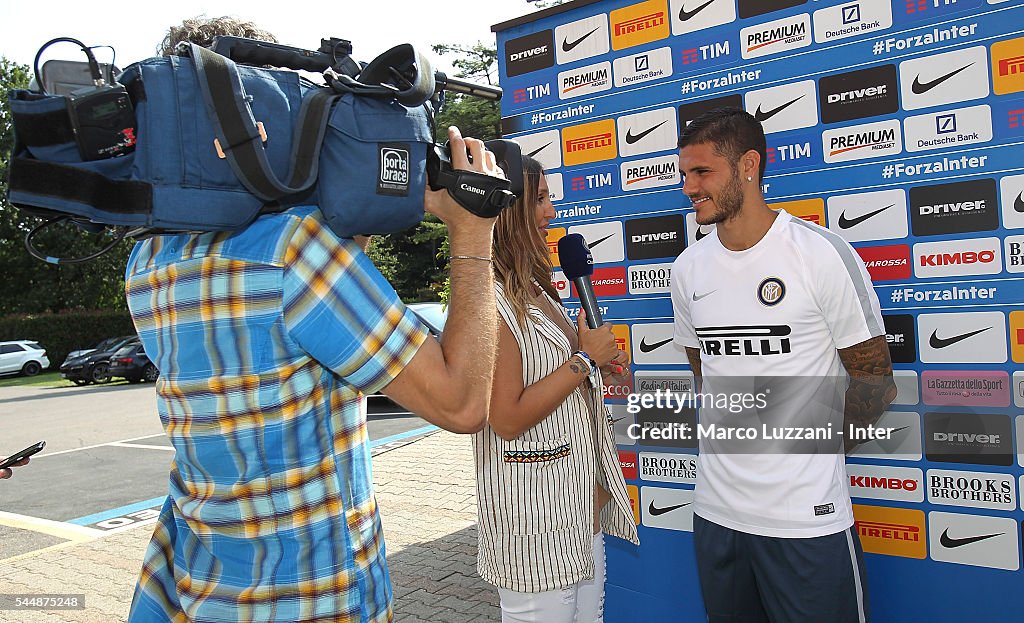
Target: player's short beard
{"x": 729, "y": 201}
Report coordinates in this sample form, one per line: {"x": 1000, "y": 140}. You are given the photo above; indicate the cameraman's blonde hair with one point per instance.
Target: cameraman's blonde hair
{"x": 202, "y": 30}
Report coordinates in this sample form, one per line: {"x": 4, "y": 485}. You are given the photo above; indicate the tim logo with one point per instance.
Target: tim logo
{"x": 531, "y": 93}
{"x": 588, "y": 182}
{"x": 785, "y": 156}
{"x": 394, "y": 170}
{"x": 1015, "y": 118}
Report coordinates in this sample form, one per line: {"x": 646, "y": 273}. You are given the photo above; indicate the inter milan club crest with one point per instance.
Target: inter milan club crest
{"x": 771, "y": 291}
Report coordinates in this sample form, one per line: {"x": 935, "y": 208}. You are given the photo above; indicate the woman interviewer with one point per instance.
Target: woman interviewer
{"x": 548, "y": 476}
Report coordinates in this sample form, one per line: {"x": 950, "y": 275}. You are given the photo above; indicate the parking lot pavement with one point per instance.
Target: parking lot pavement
{"x": 424, "y": 487}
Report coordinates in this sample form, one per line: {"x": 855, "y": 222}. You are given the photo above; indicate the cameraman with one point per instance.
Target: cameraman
{"x": 266, "y": 340}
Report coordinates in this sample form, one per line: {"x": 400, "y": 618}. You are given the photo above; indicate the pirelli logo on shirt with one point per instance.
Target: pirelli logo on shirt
{"x": 891, "y": 531}
{"x": 745, "y": 340}
{"x": 639, "y": 23}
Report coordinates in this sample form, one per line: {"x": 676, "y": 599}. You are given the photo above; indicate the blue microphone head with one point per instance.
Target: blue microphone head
{"x": 575, "y": 256}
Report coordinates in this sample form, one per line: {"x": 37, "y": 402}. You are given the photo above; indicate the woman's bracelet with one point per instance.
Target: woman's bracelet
{"x": 585, "y": 358}
{"x": 472, "y": 257}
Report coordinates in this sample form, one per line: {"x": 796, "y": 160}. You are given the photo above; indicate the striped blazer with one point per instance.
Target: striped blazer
{"x": 535, "y": 495}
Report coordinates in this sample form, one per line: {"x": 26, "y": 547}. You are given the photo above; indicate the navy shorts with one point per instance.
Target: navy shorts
{"x": 746, "y": 578}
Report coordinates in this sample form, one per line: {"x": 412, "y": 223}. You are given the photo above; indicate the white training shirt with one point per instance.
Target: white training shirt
{"x": 777, "y": 310}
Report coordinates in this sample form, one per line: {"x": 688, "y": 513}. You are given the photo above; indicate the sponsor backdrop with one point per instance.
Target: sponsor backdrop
{"x": 898, "y": 124}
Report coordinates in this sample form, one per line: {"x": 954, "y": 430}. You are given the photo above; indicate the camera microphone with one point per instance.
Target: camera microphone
{"x": 578, "y": 265}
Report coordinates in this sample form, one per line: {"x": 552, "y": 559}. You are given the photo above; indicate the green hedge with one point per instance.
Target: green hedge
{"x": 62, "y": 333}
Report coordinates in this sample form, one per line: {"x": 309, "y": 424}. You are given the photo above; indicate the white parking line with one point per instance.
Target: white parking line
{"x": 98, "y": 445}
{"x": 121, "y": 444}
{"x": 57, "y": 529}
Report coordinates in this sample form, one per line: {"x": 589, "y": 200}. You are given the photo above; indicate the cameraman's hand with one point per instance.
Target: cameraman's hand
{"x": 599, "y": 343}
{"x": 7, "y": 473}
{"x": 440, "y": 203}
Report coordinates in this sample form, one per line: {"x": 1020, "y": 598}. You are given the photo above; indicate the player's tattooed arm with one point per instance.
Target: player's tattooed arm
{"x": 871, "y": 385}
{"x": 693, "y": 355}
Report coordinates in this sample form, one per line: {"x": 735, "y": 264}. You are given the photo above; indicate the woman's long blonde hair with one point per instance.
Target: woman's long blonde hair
{"x": 521, "y": 254}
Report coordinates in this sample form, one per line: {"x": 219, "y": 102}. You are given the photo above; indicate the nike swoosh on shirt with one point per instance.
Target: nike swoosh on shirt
{"x": 538, "y": 150}
{"x": 685, "y": 15}
{"x": 847, "y": 223}
{"x": 763, "y": 116}
{"x": 938, "y": 342}
{"x": 632, "y": 138}
{"x": 655, "y": 511}
{"x": 646, "y": 348}
{"x": 568, "y": 47}
{"x": 921, "y": 88}
{"x": 701, "y": 233}
{"x": 697, "y": 298}
{"x": 948, "y": 541}
{"x": 591, "y": 245}
{"x": 1018, "y": 204}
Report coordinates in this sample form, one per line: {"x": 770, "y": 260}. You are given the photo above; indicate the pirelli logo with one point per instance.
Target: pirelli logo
{"x": 891, "y": 531}
{"x": 589, "y": 142}
{"x": 639, "y": 23}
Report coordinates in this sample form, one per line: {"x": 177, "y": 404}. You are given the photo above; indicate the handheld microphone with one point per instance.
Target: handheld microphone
{"x": 578, "y": 266}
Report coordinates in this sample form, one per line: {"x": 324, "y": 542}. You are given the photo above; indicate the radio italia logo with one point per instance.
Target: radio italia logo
{"x": 589, "y": 142}
{"x": 781, "y": 35}
{"x": 639, "y": 23}
{"x": 859, "y": 142}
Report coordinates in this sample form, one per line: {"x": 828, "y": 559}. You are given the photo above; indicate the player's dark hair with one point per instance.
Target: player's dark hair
{"x": 731, "y": 131}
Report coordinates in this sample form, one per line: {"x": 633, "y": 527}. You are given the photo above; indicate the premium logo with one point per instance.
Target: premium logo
{"x": 977, "y": 256}
{"x": 647, "y": 132}
{"x": 870, "y": 140}
{"x": 954, "y": 208}
{"x": 886, "y": 263}
{"x": 979, "y": 438}
{"x": 976, "y": 337}
{"x": 950, "y": 128}
{"x": 874, "y": 215}
{"x": 581, "y": 39}
{"x": 689, "y": 112}
{"x": 668, "y": 467}
{"x": 958, "y": 76}
{"x": 638, "y": 24}
{"x": 966, "y": 388}
{"x": 891, "y": 531}
{"x": 643, "y": 67}
{"x": 753, "y": 8}
{"x": 694, "y": 15}
{"x": 976, "y": 540}
{"x": 811, "y": 210}
{"x": 589, "y": 142}
{"x": 858, "y": 94}
{"x": 652, "y": 345}
{"x": 530, "y": 53}
{"x": 603, "y": 239}
{"x": 393, "y": 161}
{"x": 745, "y": 340}
{"x": 972, "y": 489}
{"x": 627, "y": 462}
{"x": 790, "y": 33}
{"x": 655, "y": 237}
{"x": 851, "y": 20}
{"x": 904, "y": 484}
{"x": 585, "y": 80}
{"x": 670, "y": 509}
{"x": 1008, "y": 66}
{"x": 786, "y": 107}
{"x": 650, "y": 278}
{"x": 901, "y": 337}
{"x": 543, "y": 146}
{"x": 1011, "y": 191}
{"x": 650, "y": 173}
{"x": 904, "y": 443}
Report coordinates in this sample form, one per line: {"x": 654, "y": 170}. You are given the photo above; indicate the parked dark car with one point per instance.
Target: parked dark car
{"x": 130, "y": 362}
{"x": 93, "y": 366}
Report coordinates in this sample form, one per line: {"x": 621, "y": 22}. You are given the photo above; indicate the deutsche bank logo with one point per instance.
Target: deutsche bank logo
{"x": 851, "y": 14}
{"x": 642, "y": 63}
{"x": 945, "y": 124}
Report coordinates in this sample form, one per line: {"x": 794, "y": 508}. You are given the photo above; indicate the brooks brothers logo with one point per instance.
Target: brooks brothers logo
{"x": 851, "y": 20}
{"x": 530, "y": 53}
{"x": 858, "y": 94}
{"x": 871, "y": 140}
{"x": 786, "y": 107}
{"x": 782, "y": 35}
{"x": 954, "y": 208}
{"x": 977, "y": 337}
{"x": 948, "y": 78}
{"x": 964, "y": 126}
{"x": 979, "y": 438}
{"x": 693, "y": 15}
{"x": 394, "y": 169}
{"x": 771, "y": 291}
{"x": 647, "y": 132}
{"x": 901, "y": 337}
{"x": 643, "y": 67}
{"x": 972, "y": 489}
{"x": 745, "y": 340}
{"x": 891, "y": 531}
{"x": 1014, "y": 254}
{"x": 585, "y": 80}
{"x": 1008, "y": 66}
{"x": 650, "y": 173}
{"x": 668, "y": 467}
{"x": 638, "y": 24}
{"x": 869, "y": 216}
{"x": 753, "y": 8}
{"x": 976, "y": 540}
{"x": 659, "y": 236}
{"x": 650, "y": 278}
{"x": 589, "y": 142}
{"x": 582, "y": 39}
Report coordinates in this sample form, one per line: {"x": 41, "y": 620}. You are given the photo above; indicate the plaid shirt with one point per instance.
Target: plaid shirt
{"x": 265, "y": 339}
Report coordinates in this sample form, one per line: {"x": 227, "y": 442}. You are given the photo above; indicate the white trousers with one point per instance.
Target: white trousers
{"x": 579, "y": 603}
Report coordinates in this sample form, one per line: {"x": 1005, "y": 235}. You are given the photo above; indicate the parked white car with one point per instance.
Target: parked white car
{"x": 22, "y": 356}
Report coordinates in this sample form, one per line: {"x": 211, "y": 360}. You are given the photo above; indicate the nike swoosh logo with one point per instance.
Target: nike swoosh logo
{"x": 697, "y": 298}
{"x": 655, "y": 511}
{"x": 921, "y": 88}
{"x": 948, "y": 541}
{"x": 847, "y": 223}
{"x": 567, "y": 47}
{"x": 1018, "y": 204}
{"x": 538, "y": 150}
{"x": 632, "y": 138}
{"x": 591, "y": 245}
{"x": 763, "y": 116}
{"x": 618, "y": 419}
{"x": 685, "y": 15}
{"x": 646, "y": 348}
{"x": 937, "y": 342}
{"x": 701, "y": 233}
{"x": 896, "y": 430}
